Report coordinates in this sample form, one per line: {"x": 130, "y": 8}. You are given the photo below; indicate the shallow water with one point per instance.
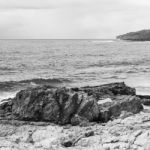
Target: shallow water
{"x": 73, "y": 63}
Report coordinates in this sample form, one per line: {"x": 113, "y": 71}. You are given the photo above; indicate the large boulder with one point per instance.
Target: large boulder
{"x": 56, "y": 105}
{"x": 72, "y": 105}
{"x": 30, "y": 103}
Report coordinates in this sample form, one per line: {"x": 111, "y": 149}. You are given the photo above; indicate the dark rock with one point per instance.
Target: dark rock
{"x": 145, "y": 102}
{"x": 143, "y": 35}
{"x": 30, "y": 103}
{"x": 70, "y": 140}
{"x": 88, "y": 108}
{"x": 77, "y": 106}
{"x": 67, "y": 143}
{"x": 120, "y": 103}
{"x": 78, "y": 120}
{"x": 68, "y": 103}
{"x": 17, "y": 141}
{"x": 56, "y": 105}
{"x": 90, "y": 133}
{"x": 109, "y": 90}
{"x": 145, "y": 99}
{"x": 6, "y": 108}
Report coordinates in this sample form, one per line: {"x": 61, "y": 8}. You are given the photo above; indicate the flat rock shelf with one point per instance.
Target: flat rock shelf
{"x": 105, "y": 117}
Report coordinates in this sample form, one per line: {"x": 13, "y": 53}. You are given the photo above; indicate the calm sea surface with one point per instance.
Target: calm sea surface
{"x": 25, "y": 63}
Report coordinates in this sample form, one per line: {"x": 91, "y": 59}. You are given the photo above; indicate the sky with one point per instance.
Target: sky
{"x": 72, "y": 19}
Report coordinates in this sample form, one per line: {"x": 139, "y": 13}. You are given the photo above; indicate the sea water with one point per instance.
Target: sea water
{"x": 28, "y": 63}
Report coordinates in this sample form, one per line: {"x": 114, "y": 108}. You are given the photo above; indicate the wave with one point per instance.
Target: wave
{"x": 45, "y": 81}
{"x": 16, "y": 85}
{"x": 119, "y": 63}
{"x": 6, "y": 95}
{"x": 114, "y": 77}
{"x": 6, "y": 69}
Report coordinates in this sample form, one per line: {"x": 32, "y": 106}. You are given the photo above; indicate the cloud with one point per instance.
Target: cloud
{"x": 72, "y": 18}
{"x": 137, "y": 2}
{"x": 25, "y": 4}
{"x": 40, "y": 4}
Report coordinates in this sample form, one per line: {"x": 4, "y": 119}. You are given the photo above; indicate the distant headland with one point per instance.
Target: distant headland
{"x": 142, "y": 35}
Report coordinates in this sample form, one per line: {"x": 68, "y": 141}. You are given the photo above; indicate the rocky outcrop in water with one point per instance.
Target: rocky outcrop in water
{"x": 54, "y": 105}
{"x": 72, "y": 105}
{"x": 143, "y": 35}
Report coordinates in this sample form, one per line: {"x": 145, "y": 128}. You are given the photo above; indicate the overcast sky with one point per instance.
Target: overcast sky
{"x": 52, "y": 19}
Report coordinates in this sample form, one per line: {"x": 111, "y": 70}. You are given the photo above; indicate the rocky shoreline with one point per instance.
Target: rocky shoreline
{"x": 102, "y": 117}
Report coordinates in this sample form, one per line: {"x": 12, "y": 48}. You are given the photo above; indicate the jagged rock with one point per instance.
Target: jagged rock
{"x": 57, "y": 105}
{"x": 78, "y": 120}
{"x": 77, "y": 106}
{"x": 6, "y": 108}
{"x": 89, "y": 109}
{"x": 68, "y": 103}
{"x": 30, "y": 103}
{"x": 109, "y": 90}
{"x": 120, "y": 103}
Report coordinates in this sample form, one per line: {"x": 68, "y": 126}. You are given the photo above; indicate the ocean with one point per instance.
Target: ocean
{"x": 28, "y": 63}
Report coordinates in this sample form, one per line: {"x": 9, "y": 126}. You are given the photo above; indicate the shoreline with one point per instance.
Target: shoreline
{"x": 140, "y": 90}
{"x": 109, "y": 116}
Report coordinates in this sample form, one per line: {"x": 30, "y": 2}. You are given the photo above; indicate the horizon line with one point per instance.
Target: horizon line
{"x": 63, "y": 39}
